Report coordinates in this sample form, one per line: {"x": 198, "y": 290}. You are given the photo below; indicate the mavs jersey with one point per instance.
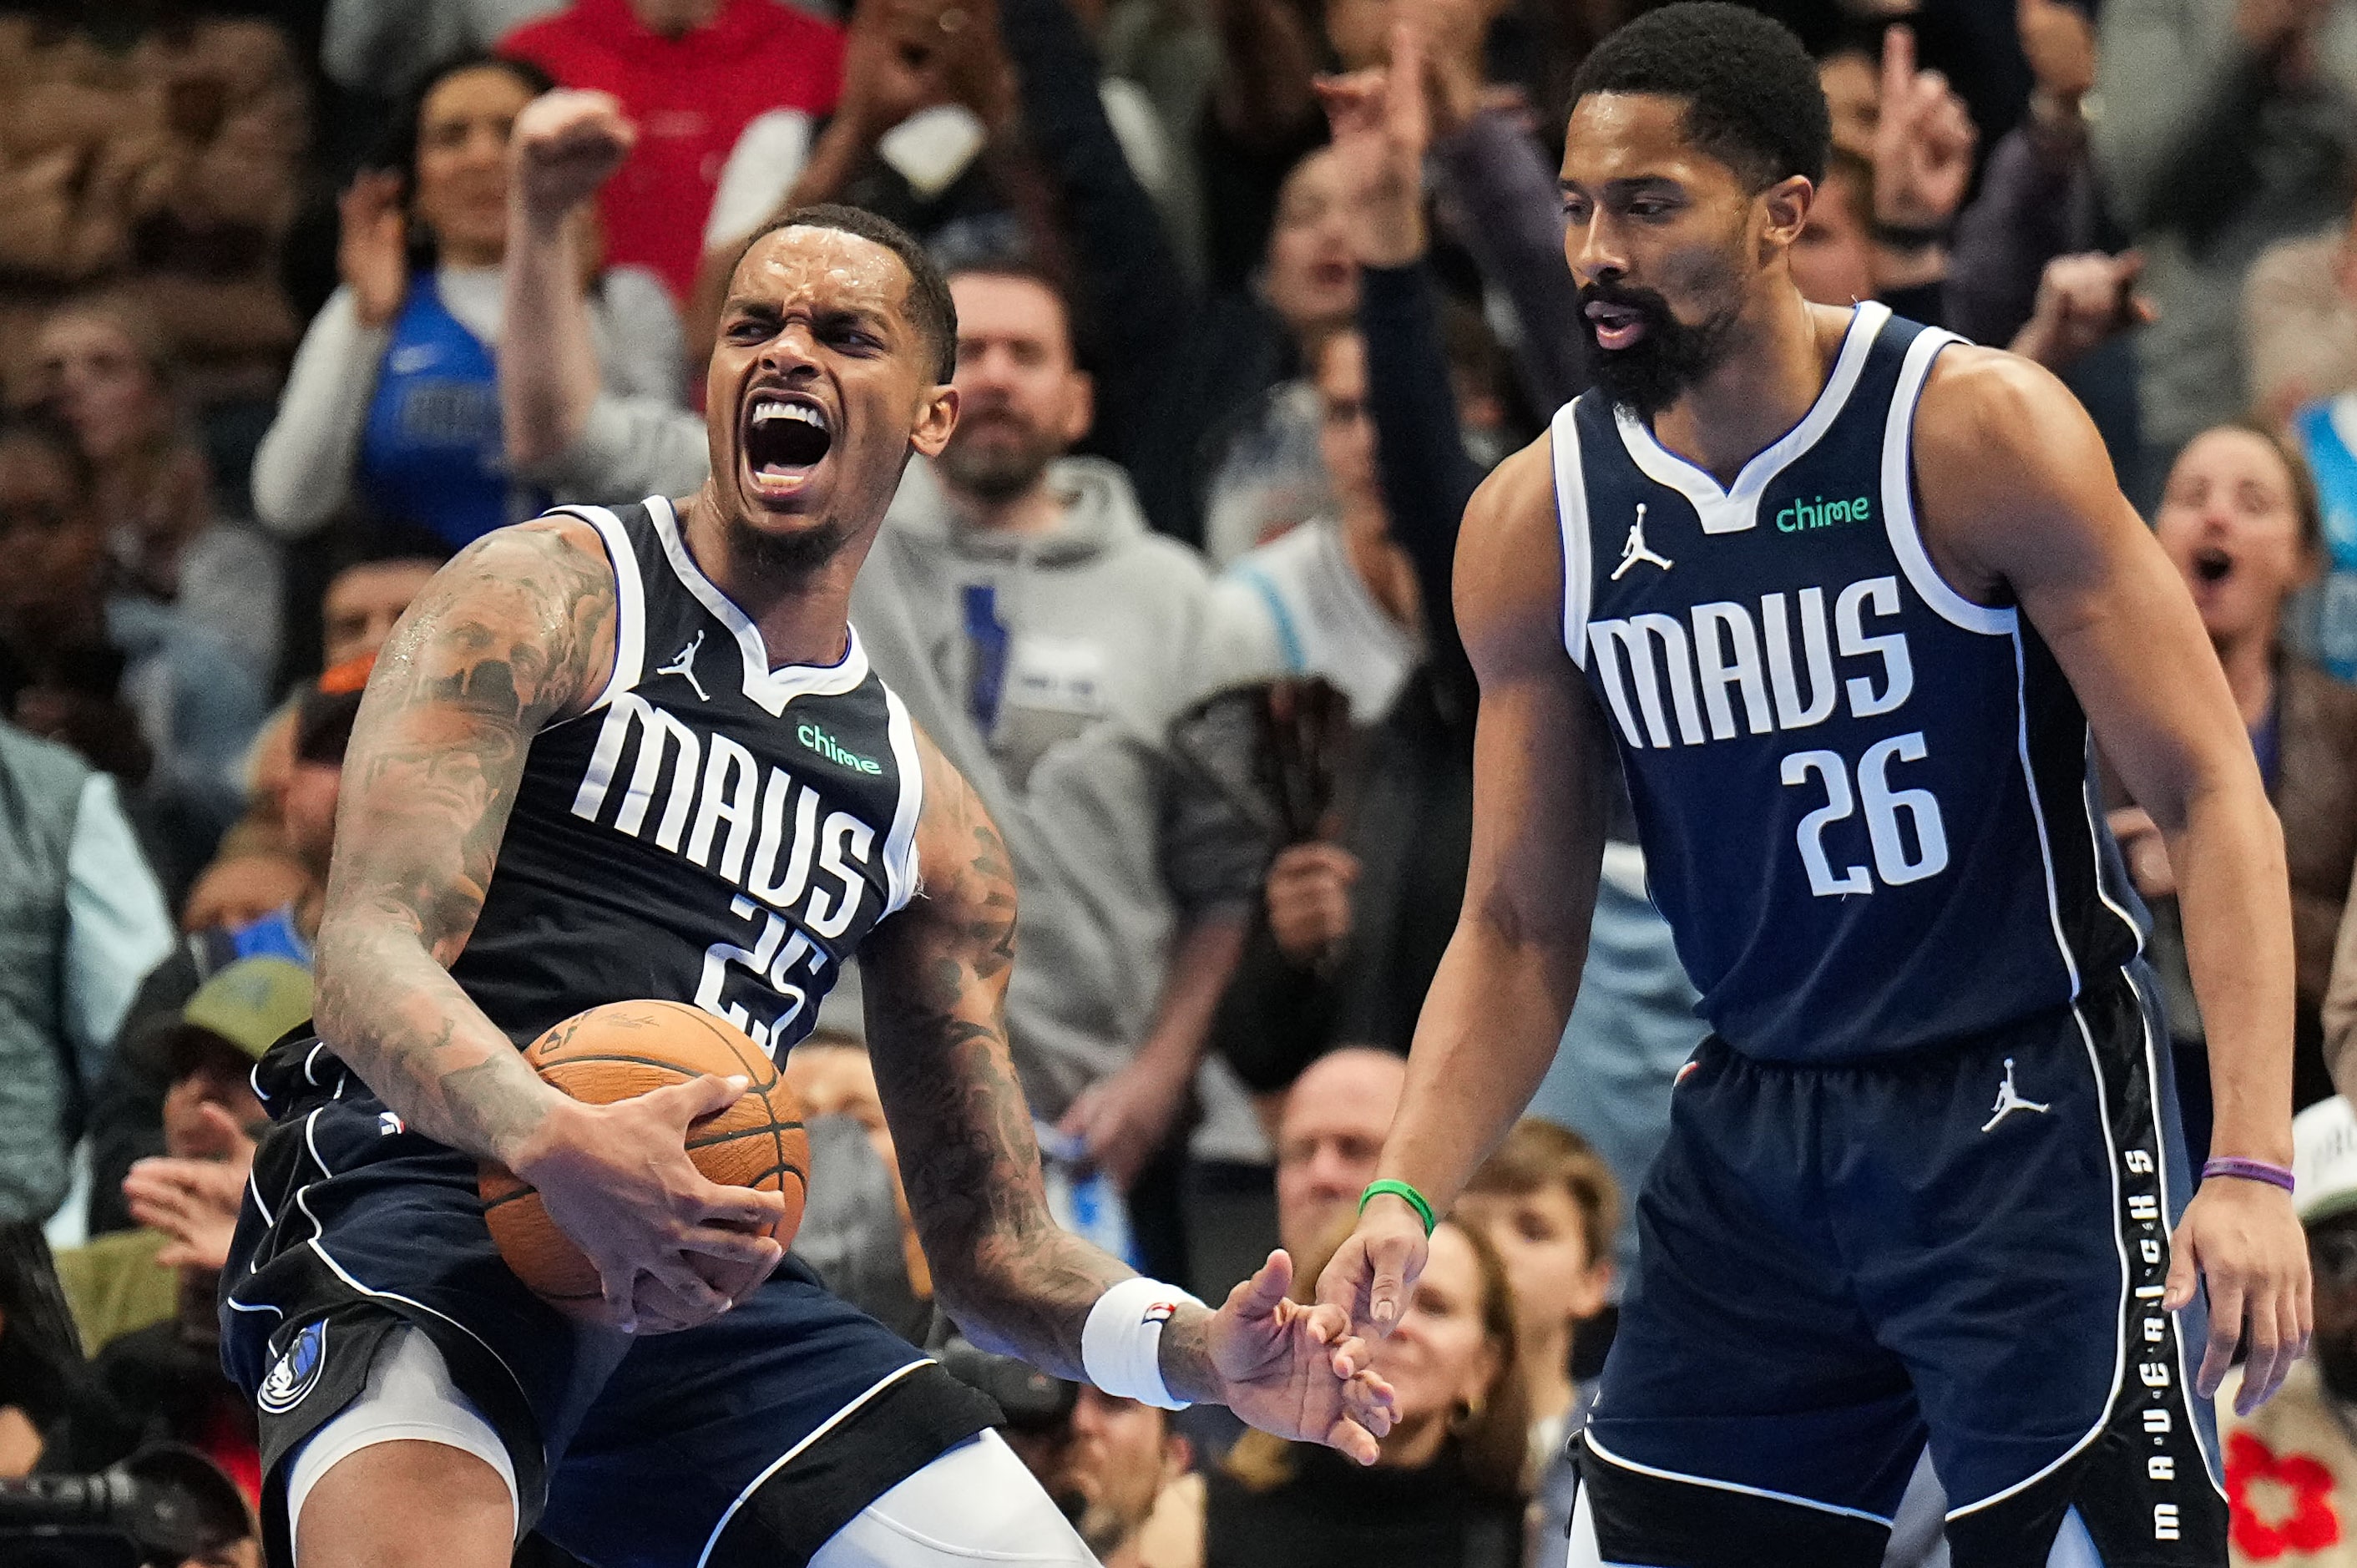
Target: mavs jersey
{"x": 1863, "y": 799}
{"x": 710, "y": 831}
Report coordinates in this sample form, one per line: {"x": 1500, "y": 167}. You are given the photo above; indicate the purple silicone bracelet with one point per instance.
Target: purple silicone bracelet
{"x": 2249, "y": 1170}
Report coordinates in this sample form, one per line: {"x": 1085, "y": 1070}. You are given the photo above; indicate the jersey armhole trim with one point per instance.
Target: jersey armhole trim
{"x": 630, "y": 600}
{"x": 1898, "y": 519}
{"x": 901, "y": 844}
{"x": 1571, "y": 522}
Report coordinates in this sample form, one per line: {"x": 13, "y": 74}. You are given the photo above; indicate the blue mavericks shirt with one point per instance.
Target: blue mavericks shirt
{"x": 432, "y": 451}
{"x": 1863, "y": 799}
{"x": 2328, "y": 433}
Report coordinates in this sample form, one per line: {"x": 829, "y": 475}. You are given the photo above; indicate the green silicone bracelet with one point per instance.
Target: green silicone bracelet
{"x": 1400, "y": 1189}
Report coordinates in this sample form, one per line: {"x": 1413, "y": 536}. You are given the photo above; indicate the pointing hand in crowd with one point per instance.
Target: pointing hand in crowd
{"x": 1922, "y": 144}
{"x": 1382, "y": 128}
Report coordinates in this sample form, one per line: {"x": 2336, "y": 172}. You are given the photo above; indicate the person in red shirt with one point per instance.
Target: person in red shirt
{"x": 692, "y": 75}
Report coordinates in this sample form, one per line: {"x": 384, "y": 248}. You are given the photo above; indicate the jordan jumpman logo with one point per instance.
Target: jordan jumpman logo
{"x": 2010, "y": 1100}
{"x": 1636, "y": 549}
{"x": 683, "y": 663}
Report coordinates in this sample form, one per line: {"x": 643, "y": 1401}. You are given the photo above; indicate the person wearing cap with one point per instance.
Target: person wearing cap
{"x": 145, "y": 1299}
{"x": 2291, "y": 1465}
{"x": 126, "y": 1112}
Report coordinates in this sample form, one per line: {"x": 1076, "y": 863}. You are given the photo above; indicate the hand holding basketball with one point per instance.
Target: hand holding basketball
{"x": 613, "y": 1212}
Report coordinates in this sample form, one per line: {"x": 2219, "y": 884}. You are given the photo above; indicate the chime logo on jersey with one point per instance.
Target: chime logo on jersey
{"x": 761, "y": 834}
{"x": 1726, "y": 657}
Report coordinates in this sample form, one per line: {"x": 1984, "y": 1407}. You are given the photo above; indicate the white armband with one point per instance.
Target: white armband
{"x": 1121, "y": 1343}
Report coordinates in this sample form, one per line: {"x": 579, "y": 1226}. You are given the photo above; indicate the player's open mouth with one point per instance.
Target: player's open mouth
{"x": 1617, "y": 326}
{"x": 784, "y": 437}
{"x": 2213, "y": 565}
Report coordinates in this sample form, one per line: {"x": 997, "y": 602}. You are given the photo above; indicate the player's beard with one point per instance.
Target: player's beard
{"x": 1649, "y": 375}
{"x": 996, "y": 470}
{"x": 786, "y": 557}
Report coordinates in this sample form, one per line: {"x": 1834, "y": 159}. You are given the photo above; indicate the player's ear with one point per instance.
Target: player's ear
{"x": 936, "y": 417}
{"x": 1787, "y": 203}
{"x": 1082, "y": 412}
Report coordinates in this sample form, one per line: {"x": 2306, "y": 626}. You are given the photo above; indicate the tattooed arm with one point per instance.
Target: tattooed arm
{"x": 1017, "y": 1282}
{"x": 515, "y": 632}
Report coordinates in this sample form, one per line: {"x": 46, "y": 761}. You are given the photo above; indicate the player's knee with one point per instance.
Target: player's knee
{"x": 364, "y": 1511}
{"x": 975, "y": 1504}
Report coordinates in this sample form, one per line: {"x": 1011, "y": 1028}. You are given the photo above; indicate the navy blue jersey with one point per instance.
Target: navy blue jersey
{"x": 1863, "y": 799}
{"x": 713, "y": 831}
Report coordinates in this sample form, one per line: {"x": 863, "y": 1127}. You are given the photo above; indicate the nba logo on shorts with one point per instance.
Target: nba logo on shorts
{"x": 296, "y": 1372}
{"x": 1160, "y": 1312}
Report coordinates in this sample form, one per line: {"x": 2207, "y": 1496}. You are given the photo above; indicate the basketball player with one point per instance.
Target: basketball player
{"x": 1846, "y": 596}
{"x": 641, "y": 754}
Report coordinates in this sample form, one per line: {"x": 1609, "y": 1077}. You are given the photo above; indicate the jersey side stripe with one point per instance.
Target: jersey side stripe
{"x": 2038, "y": 812}
{"x": 1898, "y": 497}
{"x": 901, "y": 869}
{"x": 1571, "y": 519}
{"x": 630, "y": 600}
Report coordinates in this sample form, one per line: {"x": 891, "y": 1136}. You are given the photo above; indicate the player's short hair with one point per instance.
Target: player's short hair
{"x": 931, "y": 309}
{"x": 1751, "y": 92}
{"x": 1537, "y": 1154}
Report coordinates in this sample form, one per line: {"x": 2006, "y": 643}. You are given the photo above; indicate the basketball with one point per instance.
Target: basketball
{"x": 628, "y": 1048}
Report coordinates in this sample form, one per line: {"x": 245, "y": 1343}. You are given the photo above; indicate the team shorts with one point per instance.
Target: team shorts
{"x": 749, "y": 1440}
{"x": 1968, "y": 1246}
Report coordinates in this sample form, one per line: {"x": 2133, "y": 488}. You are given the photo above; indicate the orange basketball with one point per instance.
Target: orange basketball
{"x": 627, "y": 1048}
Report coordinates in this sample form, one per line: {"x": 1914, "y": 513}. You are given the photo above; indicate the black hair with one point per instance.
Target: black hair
{"x": 396, "y": 148}
{"x": 1751, "y": 92}
{"x": 44, "y": 426}
{"x": 995, "y": 258}
{"x": 931, "y": 309}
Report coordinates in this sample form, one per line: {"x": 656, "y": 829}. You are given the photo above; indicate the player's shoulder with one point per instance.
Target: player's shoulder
{"x": 1995, "y": 426}
{"x": 1511, "y": 525}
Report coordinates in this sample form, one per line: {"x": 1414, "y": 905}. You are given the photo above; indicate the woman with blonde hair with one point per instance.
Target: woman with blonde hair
{"x": 1447, "y": 1491}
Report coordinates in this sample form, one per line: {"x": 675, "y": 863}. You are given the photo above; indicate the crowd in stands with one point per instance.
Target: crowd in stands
{"x": 300, "y": 297}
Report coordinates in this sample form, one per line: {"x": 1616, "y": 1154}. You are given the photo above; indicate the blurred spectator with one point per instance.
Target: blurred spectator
{"x": 1447, "y": 1491}
{"x": 105, "y": 371}
{"x": 126, "y": 1120}
{"x": 385, "y": 48}
{"x": 365, "y": 600}
{"x": 75, "y": 656}
{"x": 163, "y": 1369}
{"x": 394, "y": 395}
{"x": 2239, "y": 521}
{"x": 52, "y": 1417}
{"x": 2299, "y": 322}
{"x": 1330, "y": 1134}
{"x": 2291, "y": 1465}
{"x": 856, "y": 1231}
{"x": 710, "y": 82}
{"x": 80, "y": 918}
{"x": 1833, "y": 255}
{"x": 2227, "y": 125}
{"x": 1124, "y": 1477}
{"x": 1548, "y": 1205}
{"x": 184, "y": 1198}
{"x": 1850, "y": 72}
{"x": 1045, "y": 641}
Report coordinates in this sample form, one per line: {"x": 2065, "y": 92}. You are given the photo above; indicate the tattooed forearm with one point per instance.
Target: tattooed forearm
{"x": 1016, "y": 1281}
{"x": 516, "y": 631}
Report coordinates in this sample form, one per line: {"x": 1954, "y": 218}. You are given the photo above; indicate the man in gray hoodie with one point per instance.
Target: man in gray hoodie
{"x": 1046, "y": 639}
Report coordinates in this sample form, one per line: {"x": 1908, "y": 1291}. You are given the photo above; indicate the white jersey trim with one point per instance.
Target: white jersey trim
{"x": 1571, "y": 520}
{"x": 1735, "y": 508}
{"x": 771, "y": 689}
{"x": 630, "y": 600}
{"x": 1898, "y": 497}
{"x": 901, "y": 869}
{"x": 788, "y": 1458}
{"x": 1588, "y": 1439}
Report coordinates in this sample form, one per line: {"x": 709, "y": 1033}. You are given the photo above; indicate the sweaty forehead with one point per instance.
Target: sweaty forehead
{"x": 823, "y": 267}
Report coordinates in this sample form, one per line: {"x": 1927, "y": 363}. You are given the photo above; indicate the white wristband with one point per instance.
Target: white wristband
{"x": 1121, "y": 1343}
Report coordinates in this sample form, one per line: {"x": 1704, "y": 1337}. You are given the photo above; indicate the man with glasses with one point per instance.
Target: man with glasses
{"x": 2291, "y": 1467}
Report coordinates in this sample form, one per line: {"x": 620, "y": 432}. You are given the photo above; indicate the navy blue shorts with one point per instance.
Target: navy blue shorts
{"x": 1968, "y": 1246}
{"x": 749, "y": 1440}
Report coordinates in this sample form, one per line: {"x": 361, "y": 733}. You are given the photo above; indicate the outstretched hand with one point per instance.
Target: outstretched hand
{"x": 1295, "y": 1370}
{"x": 2243, "y": 1239}
{"x": 1369, "y": 1280}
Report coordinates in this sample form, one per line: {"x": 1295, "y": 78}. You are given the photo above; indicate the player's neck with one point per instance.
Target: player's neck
{"x": 1778, "y": 357}
{"x": 803, "y": 613}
